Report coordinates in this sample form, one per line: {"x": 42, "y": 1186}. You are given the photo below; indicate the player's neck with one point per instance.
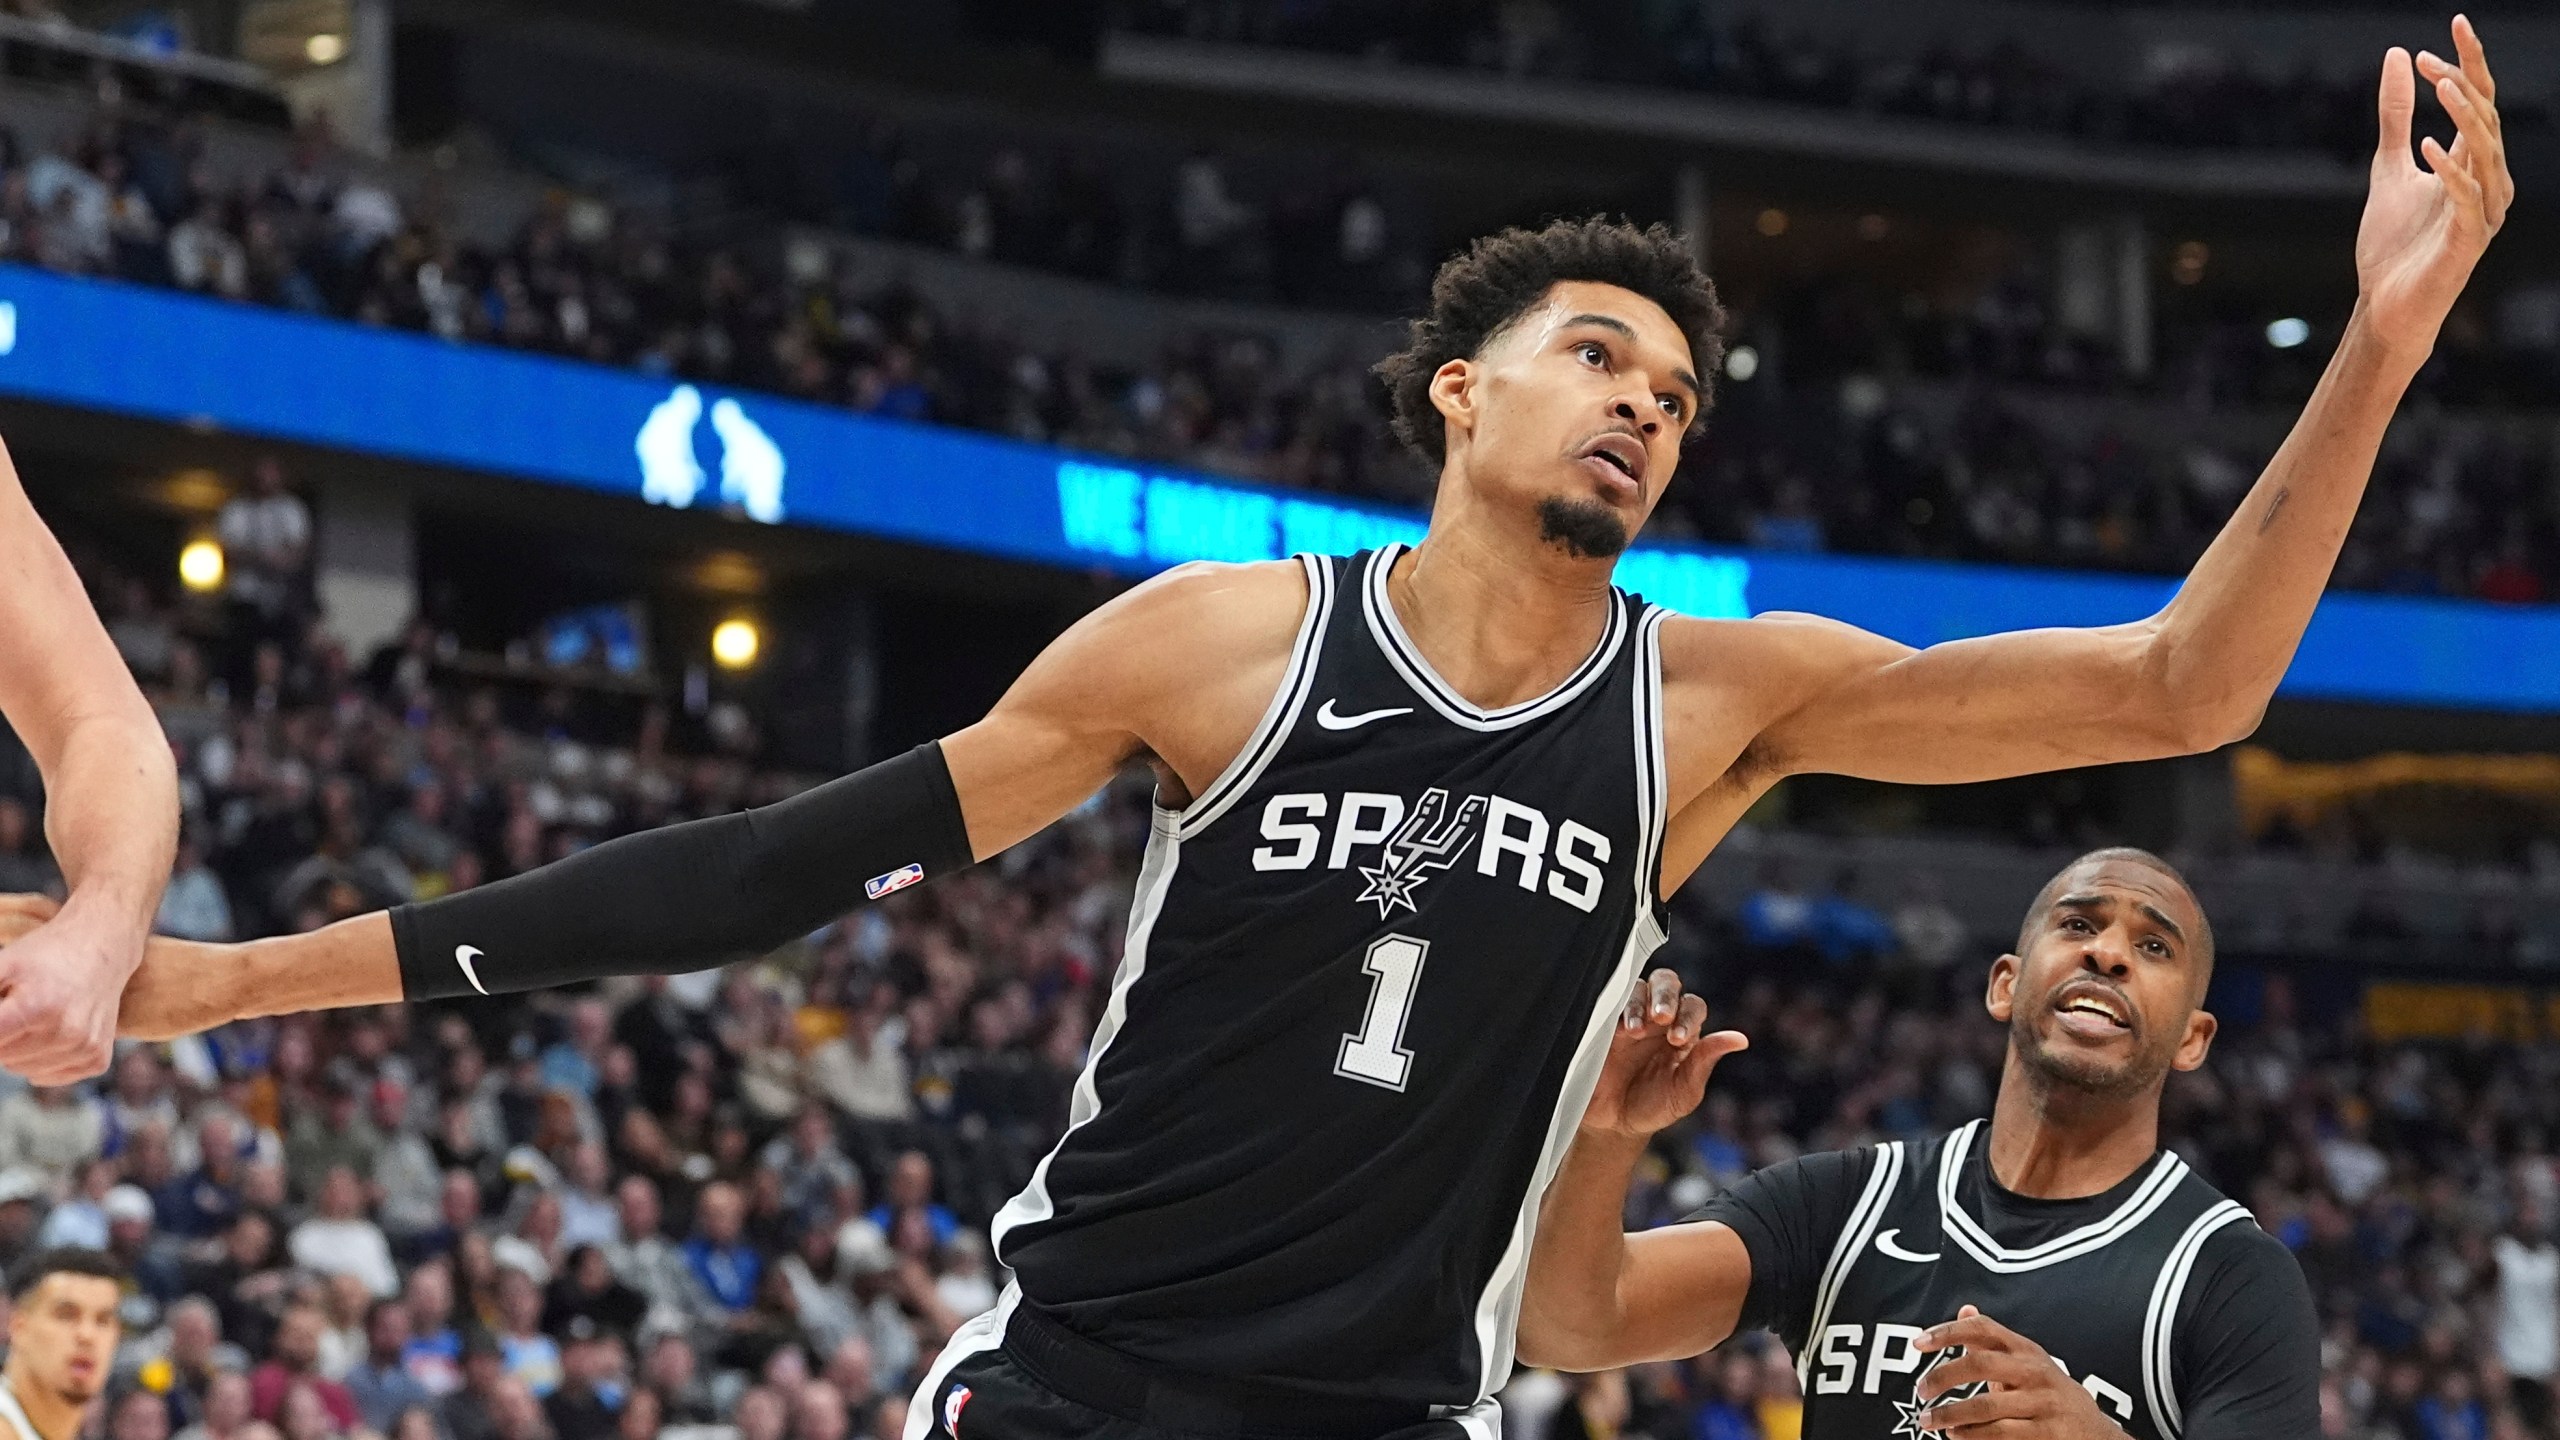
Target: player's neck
{"x": 55, "y": 1417}
{"x": 1499, "y": 625}
{"x": 2051, "y": 1142}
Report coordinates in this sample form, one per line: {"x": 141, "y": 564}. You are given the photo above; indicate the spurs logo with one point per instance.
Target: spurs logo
{"x": 1910, "y": 1412}
{"x": 1431, "y": 840}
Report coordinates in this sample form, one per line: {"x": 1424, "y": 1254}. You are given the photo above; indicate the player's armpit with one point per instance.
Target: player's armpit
{"x": 1845, "y": 701}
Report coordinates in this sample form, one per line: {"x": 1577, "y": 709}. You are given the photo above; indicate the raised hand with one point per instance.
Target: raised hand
{"x": 1659, "y": 1059}
{"x": 2424, "y": 228}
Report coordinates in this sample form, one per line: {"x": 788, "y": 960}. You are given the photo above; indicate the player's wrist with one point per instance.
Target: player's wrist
{"x": 2396, "y": 347}
{"x": 105, "y": 939}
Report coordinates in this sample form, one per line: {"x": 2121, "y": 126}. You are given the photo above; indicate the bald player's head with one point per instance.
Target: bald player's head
{"x": 2103, "y": 993}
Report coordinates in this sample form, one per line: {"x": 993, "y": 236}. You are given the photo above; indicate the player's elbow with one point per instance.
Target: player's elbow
{"x": 1548, "y": 1345}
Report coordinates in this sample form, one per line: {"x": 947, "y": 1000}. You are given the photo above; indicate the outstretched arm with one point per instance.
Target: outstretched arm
{"x": 2200, "y": 672}
{"x": 1597, "y": 1297}
{"x": 111, "y": 809}
{"x": 691, "y": 896}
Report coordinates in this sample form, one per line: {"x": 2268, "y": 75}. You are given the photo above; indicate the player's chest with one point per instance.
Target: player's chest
{"x": 1863, "y": 1364}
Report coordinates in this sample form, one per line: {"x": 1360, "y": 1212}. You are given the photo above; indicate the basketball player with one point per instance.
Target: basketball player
{"x": 112, "y": 812}
{"x": 2054, "y": 1273}
{"x": 63, "y": 1329}
{"x": 1417, "y": 812}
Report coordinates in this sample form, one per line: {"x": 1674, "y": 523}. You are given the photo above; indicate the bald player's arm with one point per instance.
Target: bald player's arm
{"x": 1179, "y": 668}
{"x": 111, "y": 811}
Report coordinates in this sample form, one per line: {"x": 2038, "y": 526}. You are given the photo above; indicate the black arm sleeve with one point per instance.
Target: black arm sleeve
{"x": 1789, "y": 1217}
{"x": 692, "y": 896}
{"x": 2247, "y": 1363}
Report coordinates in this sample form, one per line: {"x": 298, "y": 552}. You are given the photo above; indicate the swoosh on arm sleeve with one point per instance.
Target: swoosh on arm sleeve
{"x": 2247, "y": 1362}
{"x": 1789, "y": 1216}
{"x": 692, "y": 896}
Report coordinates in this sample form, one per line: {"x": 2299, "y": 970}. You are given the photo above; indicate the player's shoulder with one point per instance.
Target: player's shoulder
{"x": 1208, "y": 603}
{"x": 2243, "y": 1280}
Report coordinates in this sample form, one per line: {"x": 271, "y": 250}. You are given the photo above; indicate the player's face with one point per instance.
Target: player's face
{"x": 64, "y": 1333}
{"x": 1575, "y": 413}
{"x": 2104, "y": 999}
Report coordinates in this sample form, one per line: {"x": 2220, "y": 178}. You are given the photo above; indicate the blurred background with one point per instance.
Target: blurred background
{"x": 490, "y": 428}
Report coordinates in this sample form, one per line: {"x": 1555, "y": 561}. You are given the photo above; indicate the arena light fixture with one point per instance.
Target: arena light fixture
{"x": 1772, "y": 222}
{"x": 735, "y": 643}
{"x": 200, "y": 566}
{"x": 1741, "y": 363}
{"x": 325, "y": 48}
{"x": 2288, "y": 332}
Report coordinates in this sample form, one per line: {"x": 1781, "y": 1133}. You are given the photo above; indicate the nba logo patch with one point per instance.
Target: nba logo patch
{"x": 890, "y": 884}
{"x": 958, "y": 1399}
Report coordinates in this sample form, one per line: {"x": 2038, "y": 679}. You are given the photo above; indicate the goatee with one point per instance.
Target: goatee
{"x": 1587, "y": 529}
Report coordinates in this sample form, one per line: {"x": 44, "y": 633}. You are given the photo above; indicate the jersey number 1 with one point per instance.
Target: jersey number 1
{"x": 1375, "y": 1053}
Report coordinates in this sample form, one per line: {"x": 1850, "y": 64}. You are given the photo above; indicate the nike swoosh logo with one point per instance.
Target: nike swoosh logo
{"x": 1332, "y": 719}
{"x": 1886, "y": 1247}
{"x": 462, "y": 956}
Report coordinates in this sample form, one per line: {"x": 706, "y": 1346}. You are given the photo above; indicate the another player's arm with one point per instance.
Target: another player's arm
{"x": 1172, "y": 668}
{"x": 2200, "y": 672}
{"x": 111, "y": 811}
{"x": 1597, "y": 1297}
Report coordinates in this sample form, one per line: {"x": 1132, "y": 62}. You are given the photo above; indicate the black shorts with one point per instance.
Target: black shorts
{"x": 1013, "y": 1374}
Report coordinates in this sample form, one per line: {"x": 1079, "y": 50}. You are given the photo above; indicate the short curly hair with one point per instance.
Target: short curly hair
{"x": 1501, "y": 277}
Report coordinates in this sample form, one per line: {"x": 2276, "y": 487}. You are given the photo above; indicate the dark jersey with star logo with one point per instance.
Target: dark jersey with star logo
{"x": 2181, "y": 1318}
{"x": 1370, "y": 979}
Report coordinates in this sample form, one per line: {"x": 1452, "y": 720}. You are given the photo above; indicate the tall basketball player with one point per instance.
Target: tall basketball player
{"x": 2055, "y": 1273}
{"x": 63, "y": 1329}
{"x": 112, "y": 813}
{"x": 1418, "y": 809}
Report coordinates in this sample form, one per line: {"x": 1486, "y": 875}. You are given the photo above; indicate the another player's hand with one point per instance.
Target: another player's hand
{"x": 2023, "y": 1392}
{"x": 62, "y": 972}
{"x": 1659, "y": 1059}
{"x": 2425, "y": 228}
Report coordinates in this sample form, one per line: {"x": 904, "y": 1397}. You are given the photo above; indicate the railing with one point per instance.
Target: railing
{"x": 50, "y": 53}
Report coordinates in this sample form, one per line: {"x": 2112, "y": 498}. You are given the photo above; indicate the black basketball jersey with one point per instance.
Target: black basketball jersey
{"x": 2106, "y": 1297}
{"x": 1370, "y": 980}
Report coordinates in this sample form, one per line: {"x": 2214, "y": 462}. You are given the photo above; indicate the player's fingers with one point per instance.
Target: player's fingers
{"x": 1688, "y": 1020}
{"x": 1978, "y": 1367}
{"x": 2481, "y": 143}
{"x": 2470, "y": 206}
{"x": 2396, "y": 101}
{"x": 1974, "y": 1331}
{"x": 1662, "y": 995}
{"x": 1955, "y": 1417}
{"x": 2475, "y": 57}
{"x": 1700, "y": 1059}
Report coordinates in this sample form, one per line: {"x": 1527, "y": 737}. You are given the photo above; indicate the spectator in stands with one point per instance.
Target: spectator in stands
{"x": 226, "y": 1412}
{"x": 339, "y": 1240}
{"x": 294, "y": 1367}
{"x": 380, "y": 1383}
{"x": 722, "y": 1265}
{"x": 911, "y": 1192}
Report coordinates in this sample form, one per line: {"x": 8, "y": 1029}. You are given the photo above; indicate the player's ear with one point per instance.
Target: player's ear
{"x": 2201, "y": 1028}
{"x": 1453, "y": 393}
{"x": 2004, "y": 988}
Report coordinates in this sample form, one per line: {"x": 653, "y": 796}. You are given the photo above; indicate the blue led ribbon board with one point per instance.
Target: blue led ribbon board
{"x": 122, "y": 349}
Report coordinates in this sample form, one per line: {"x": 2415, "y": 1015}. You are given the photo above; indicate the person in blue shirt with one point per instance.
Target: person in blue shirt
{"x": 726, "y": 1267}
{"x": 381, "y": 1382}
{"x": 911, "y": 1188}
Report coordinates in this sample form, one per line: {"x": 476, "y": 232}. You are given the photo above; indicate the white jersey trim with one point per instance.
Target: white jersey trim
{"x": 976, "y": 1337}
{"x": 1861, "y": 1226}
{"x": 1498, "y": 1309}
{"x": 2160, "y": 1320}
{"x": 1406, "y": 659}
{"x": 2154, "y": 1191}
{"x": 1155, "y": 879}
{"x": 1281, "y": 715}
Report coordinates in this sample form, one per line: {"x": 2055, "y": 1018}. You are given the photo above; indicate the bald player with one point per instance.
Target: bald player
{"x": 63, "y": 1330}
{"x": 111, "y": 809}
{"x": 2052, "y": 1273}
